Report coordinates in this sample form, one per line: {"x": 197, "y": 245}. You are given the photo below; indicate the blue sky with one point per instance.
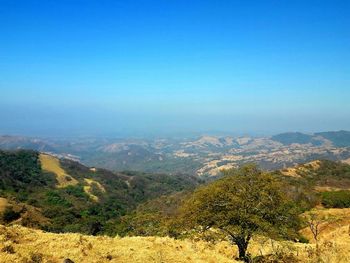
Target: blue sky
{"x": 162, "y": 67}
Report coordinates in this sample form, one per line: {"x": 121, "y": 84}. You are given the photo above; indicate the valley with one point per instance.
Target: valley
{"x": 91, "y": 214}
{"x": 203, "y": 156}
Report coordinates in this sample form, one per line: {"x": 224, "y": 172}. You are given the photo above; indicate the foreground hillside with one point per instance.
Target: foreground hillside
{"x": 19, "y": 244}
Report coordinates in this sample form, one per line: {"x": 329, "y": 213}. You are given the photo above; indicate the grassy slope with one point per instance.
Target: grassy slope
{"x": 27, "y": 244}
{"x": 52, "y": 164}
{"x": 319, "y": 176}
{"x": 334, "y": 234}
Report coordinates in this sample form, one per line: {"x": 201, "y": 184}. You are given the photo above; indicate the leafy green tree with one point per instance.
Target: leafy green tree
{"x": 244, "y": 202}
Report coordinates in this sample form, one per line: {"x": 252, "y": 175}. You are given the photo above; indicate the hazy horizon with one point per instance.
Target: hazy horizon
{"x": 161, "y": 68}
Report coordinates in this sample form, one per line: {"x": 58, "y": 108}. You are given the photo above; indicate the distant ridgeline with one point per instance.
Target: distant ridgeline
{"x": 337, "y": 138}
{"x": 204, "y": 156}
{"x": 39, "y": 190}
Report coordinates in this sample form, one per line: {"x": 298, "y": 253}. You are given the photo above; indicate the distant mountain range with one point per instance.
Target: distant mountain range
{"x": 203, "y": 156}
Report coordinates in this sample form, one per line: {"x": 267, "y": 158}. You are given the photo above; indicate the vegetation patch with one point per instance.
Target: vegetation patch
{"x": 336, "y": 199}
{"x": 76, "y": 191}
{"x": 53, "y": 198}
{"x": 89, "y": 188}
{"x": 9, "y": 214}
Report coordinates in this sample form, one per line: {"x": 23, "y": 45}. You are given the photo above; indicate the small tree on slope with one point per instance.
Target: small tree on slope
{"x": 245, "y": 202}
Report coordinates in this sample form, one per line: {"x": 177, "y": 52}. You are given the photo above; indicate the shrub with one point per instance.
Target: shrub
{"x": 77, "y": 191}
{"x": 10, "y": 215}
{"x": 303, "y": 239}
{"x": 8, "y": 249}
{"x": 36, "y": 257}
{"x": 336, "y": 199}
{"x": 54, "y": 198}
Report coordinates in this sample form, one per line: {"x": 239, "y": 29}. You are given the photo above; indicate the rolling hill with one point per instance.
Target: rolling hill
{"x": 338, "y": 138}
{"x": 295, "y": 137}
{"x": 66, "y": 196}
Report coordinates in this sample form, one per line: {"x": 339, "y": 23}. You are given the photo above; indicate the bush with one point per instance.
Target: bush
{"x": 8, "y": 249}
{"x": 304, "y": 240}
{"x": 36, "y": 257}
{"x": 336, "y": 199}
{"x": 76, "y": 191}
{"x": 54, "y": 198}
{"x": 10, "y": 215}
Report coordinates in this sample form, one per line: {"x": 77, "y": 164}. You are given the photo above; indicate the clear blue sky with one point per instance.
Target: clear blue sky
{"x": 112, "y": 67}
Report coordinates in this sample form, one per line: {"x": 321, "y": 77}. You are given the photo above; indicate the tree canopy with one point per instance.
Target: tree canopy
{"x": 244, "y": 202}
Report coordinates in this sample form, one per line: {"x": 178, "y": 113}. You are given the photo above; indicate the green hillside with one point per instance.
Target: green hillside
{"x": 92, "y": 200}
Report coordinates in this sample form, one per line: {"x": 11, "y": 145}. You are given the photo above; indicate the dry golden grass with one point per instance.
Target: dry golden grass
{"x": 88, "y": 189}
{"x": 329, "y": 188}
{"x": 299, "y": 169}
{"x": 347, "y": 161}
{"x": 52, "y": 164}
{"x": 334, "y": 235}
{"x": 292, "y": 172}
{"x": 18, "y": 244}
{"x": 3, "y": 204}
{"x": 331, "y": 221}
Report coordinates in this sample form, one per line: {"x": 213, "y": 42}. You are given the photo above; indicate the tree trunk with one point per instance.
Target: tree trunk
{"x": 242, "y": 250}
{"x": 241, "y": 241}
{"x": 242, "y": 244}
